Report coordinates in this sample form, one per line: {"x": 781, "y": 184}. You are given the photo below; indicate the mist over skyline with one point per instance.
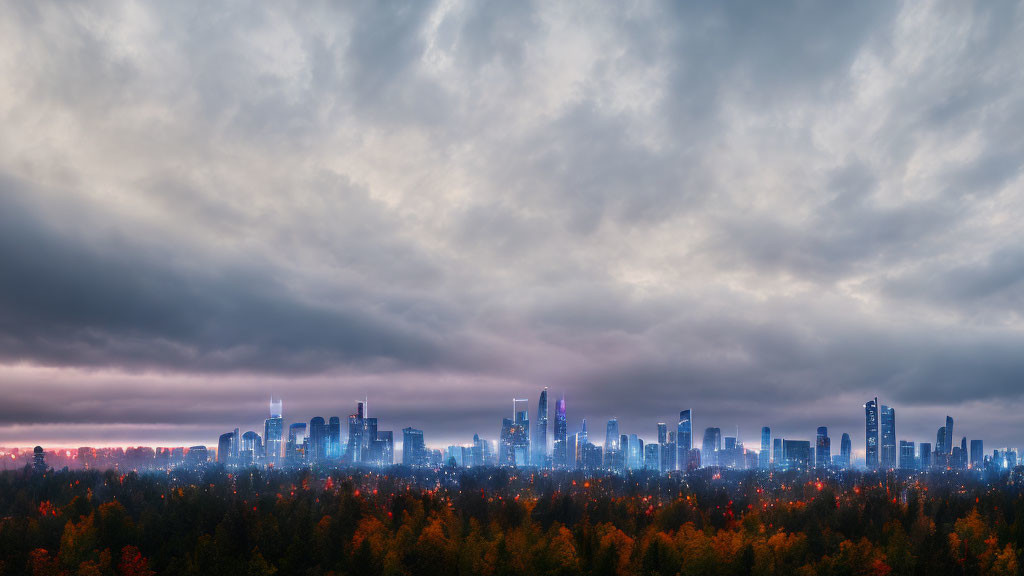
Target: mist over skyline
{"x": 765, "y": 213}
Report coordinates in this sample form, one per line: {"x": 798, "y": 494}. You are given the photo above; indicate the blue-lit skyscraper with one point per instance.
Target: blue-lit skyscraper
{"x": 539, "y": 446}
{"x": 252, "y": 448}
{"x": 887, "y": 416}
{"x": 413, "y": 449}
{"x": 764, "y": 457}
{"x": 907, "y": 460}
{"x": 560, "y": 451}
{"x": 947, "y": 441}
{"x": 611, "y": 435}
{"x": 845, "y": 451}
{"x": 317, "y": 440}
{"x": 871, "y": 434}
{"x": 924, "y": 460}
{"x": 822, "y": 448}
{"x": 977, "y": 453}
{"x": 224, "y": 447}
{"x": 334, "y": 438}
{"x": 295, "y": 451}
{"x": 711, "y": 445}
{"x": 273, "y": 431}
{"x": 684, "y": 439}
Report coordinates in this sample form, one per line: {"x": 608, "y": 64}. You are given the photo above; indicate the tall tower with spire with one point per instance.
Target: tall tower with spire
{"x": 273, "y": 431}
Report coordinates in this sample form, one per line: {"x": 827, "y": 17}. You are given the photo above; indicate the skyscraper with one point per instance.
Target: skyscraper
{"x": 224, "y": 447}
{"x": 662, "y": 434}
{"x": 252, "y": 448}
{"x": 797, "y": 454}
{"x": 947, "y": 441}
{"x": 560, "y": 451}
{"x": 711, "y": 445}
{"x": 611, "y": 435}
{"x": 888, "y": 421}
{"x": 334, "y": 438}
{"x": 940, "y": 439}
{"x": 295, "y": 451}
{"x": 515, "y": 438}
{"x": 317, "y": 439}
{"x": 539, "y": 447}
{"x": 634, "y": 453}
{"x": 764, "y": 457}
{"x": 871, "y": 430}
{"x": 907, "y": 461}
{"x": 977, "y": 453}
{"x": 924, "y": 460}
{"x": 273, "y": 430}
{"x": 684, "y": 439}
{"x": 413, "y": 449}
{"x": 354, "y": 449}
{"x": 778, "y": 459}
{"x": 845, "y": 450}
{"x": 822, "y": 448}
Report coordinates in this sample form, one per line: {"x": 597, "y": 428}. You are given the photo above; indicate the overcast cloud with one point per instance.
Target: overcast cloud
{"x": 767, "y": 213}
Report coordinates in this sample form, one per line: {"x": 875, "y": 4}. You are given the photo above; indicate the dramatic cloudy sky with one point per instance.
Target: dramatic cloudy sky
{"x": 765, "y": 213}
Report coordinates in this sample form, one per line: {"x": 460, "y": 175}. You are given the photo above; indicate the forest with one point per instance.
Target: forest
{"x": 506, "y": 522}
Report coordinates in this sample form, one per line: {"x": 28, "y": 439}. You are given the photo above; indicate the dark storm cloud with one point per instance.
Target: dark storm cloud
{"x": 765, "y": 213}
{"x": 69, "y": 302}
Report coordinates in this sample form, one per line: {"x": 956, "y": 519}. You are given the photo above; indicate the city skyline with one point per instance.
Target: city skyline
{"x": 765, "y": 213}
{"x": 323, "y": 442}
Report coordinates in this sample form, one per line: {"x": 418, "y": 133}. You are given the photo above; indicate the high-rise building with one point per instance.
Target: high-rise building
{"x": 977, "y": 453}
{"x": 611, "y": 435}
{"x": 962, "y": 461}
{"x": 907, "y": 461}
{"x": 797, "y": 454}
{"x": 634, "y": 453}
{"x": 652, "y": 456}
{"x": 317, "y": 439}
{"x": 764, "y": 457}
{"x": 888, "y": 424}
{"x": 684, "y": 439}
{"x": 334, "y": 438}
{"x": 356, "y": 435}
{"x": 295, "y": 450}
{"x": 252, "y": 448}
{"x": 822, "y": 448}
{"x": 778, "y": 458}
{"x": 273, "y": 430}
{"x": 871, "y": 430}
{"x": 413, "y": 449}
{"x": 668, "y": 453}
{"x": 539, "y": 446}
{"x": 662, "y": 433}
{"x": 227, "y": 448}
{"x": 560, "y": 451}
{"x": 940, "y": 439}
{"x": 845, "y": 451}
{"x": 515, "y": 439}
{"x": 947, "y": 441}
{"x": 382, "y": 449}
{"x": 711, "y": 445}
{"x": 924, "y": 460}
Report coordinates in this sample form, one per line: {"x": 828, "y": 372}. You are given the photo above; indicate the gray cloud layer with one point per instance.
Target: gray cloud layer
{"x": 767, "y": 214}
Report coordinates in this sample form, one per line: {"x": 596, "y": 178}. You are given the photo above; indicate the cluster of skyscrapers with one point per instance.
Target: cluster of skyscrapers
{"x": 524, "y": 443}
{"x": 319, "y": 443}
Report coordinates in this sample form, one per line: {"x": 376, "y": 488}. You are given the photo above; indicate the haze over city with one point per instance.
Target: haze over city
{"x": 769, "y": 214}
